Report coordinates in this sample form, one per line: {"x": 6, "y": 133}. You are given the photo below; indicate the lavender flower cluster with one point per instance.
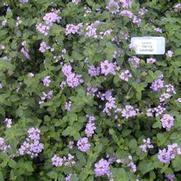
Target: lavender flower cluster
{"x": 63, "y": 161}
{"x": 32, "y": 145}
{"x": 166, "y": 155}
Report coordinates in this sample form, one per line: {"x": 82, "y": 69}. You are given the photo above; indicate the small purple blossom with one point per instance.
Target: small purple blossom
{"x": 3, "y": 146}
{"x": 164, "y": 97}
{"x": 57, "y": 161}
{"x": 142, "y": 11}
{"x": 107, "y": 68}
{"x": 177, "y": 7}
{"x": 170, "y": 177}
{"x": 32, "y": 146}
{"x": 150, "y": 60}
{"x": 72, "y": 79}
{"x": 23, "y": 1}
{"x": 68, "y": 177}
{"x": 113, "y": 6}
{"x": 146, "y": 145}
{"x": 68, "y": 105}
{"x": 8, "y": 122}
{"x": 164, "y": 156}
{"x": 90, "y": 30}
{"x": 170, "y": 89}
{"x": 174, "y": 150}
{"x": 126, "y": 3}
{"x": 134, "y": 61}
{"x": 51, "y": 17}
{"x": 169, "y": 53}
{"x": 72, "y": 29}
{"x": 43, "y": 47}
{"x": 43, "y": 28}
{"x": 157, "y": 85}
{"x": 167, "y": 121}
{"x": 76, "y": 1}
{"x": 102, "y": 168}
{"x": 83, "y": 144}
{"x": 126, "y": 13}
{"x": 125, "y": 75}
{"x": 46, "y": 81}
{"x": 94, "y": 71}
{"x": 129, "y": 111}
{"x": 25, "y": 52}
{"x": 136, "y": 20}
{"x": 158, "y": 30}
{"x": 46, "y": 96}
{"x": 90, "y": 126}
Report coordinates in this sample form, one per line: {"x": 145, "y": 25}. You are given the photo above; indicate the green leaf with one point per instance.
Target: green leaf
{"x": 119, "y": 174}
{"x": 146, "y": 166}
{"x": 176, "y": 163}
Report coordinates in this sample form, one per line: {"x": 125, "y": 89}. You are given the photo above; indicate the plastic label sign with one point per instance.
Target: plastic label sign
{"x": 148, "y": 45}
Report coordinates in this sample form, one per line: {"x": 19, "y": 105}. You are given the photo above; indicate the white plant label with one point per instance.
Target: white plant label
{"x": 148, "y": 45}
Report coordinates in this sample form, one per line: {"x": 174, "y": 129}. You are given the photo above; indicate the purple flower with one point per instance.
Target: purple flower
{"x": 134, "y": 61}
{"x": 90, "y": 30}
{"x": 76, "y": 1}
{"x": 43, "y": 28}
{"x": 51, "y": 17}
{"x": 72, "y": 29}
{"x": 177, "y": 7}
{"x": 136, "y": 20}
{"x": 25, "y": 53}
{"x": 68, "y": 105}
{"x": 126, "y": 3}
{"x": 90, "y": 127}
{"x": 170, "y": 89}
{"x": 107, "y": 68}
{"x": 23, "y": 1}
{"x": 167, "y": 121}
{"x": 142, "y": 11}
{"x": 67, "y": 70}
{"x": 83, "y": 144}
{"x": 8, "y": 122}
{"x": 32, "y": 146}
{"x": 113, "y": 6}
{"x": 3, "y": 146}
{"x": 164, "y": 156}
{"x": 146, "y": 145}
{"x": 34, "y": 134}
{"x": 159, "y": 30}
{"x": 129, "y": 111}
{"x": 125, "y": 75}
{"x": 157, "y": 85}
{"x": 68, "y": 177}
{"x": 102, "y": 168}
{"x": 164, "y": 97}
{"x": 93, "y": 71}
{"x": 170, "y": 177}
{"x": 126, "y": 13}
{"x": 150, "y": 60}
{"x": 74, "y": 80}
{"x": 174, "y": 150}
{"x": 43, "y": 47}
{"x": 110, "y": 104}
{"x": 159, "y": 110}
{"x": 46, "y": 81}
{"x": 57, "y": 161}
{"x": 169, "y": 53}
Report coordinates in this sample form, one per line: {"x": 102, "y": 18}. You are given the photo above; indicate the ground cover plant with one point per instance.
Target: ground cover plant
{"x": 77, "y": 103}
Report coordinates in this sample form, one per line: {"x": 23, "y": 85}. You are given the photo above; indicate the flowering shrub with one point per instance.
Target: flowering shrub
{"x": 77, "y": 104}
